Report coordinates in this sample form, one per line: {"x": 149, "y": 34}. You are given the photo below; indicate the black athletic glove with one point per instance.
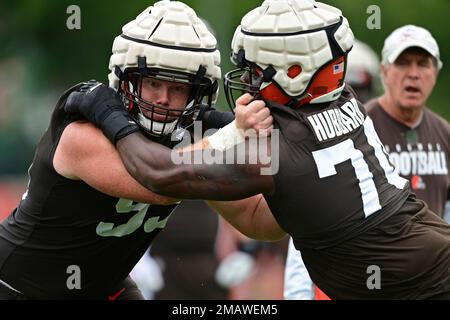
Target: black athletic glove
{"x": 102, "y": 106}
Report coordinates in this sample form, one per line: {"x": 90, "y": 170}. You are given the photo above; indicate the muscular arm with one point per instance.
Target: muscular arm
{"x": 151, "y": 164}
{"x": 251, "y": 216}
{"x": 84, "y": 153}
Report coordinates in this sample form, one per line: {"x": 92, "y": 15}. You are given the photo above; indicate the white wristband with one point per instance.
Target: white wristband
{"x": 226, "y": 137}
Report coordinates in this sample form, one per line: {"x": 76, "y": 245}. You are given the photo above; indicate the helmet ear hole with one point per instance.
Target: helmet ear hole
{"x": 294, "y": 71}
{"x": 273, "y": 93}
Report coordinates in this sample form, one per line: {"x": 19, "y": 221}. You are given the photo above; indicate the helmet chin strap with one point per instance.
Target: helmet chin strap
{"x": 161, "y": 128}
{"x": 155, "y": 126}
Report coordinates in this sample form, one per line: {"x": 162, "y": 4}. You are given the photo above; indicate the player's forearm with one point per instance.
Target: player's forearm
{"x": 154, "y": 167}
{"x": 199, "y": 145}
{"x": 250, "y": 216}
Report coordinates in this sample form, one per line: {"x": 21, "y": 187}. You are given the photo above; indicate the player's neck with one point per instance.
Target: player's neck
{"x": 410, "y": 117}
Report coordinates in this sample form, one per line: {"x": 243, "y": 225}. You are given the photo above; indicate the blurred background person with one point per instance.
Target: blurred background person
{"x": 251, "y": 269}
{"x": 363, "y": 71}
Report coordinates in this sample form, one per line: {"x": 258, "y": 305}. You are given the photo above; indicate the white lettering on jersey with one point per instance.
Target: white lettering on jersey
{"x": 108, "y": 229}
{"x": 389, "y": 171}
{"x": 326, "y": 160}
{"x": 333, "y": 123}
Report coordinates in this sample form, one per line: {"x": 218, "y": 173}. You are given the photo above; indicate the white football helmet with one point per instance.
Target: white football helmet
{"x": 290, "y": 51}
{"x": 167, "y": 41}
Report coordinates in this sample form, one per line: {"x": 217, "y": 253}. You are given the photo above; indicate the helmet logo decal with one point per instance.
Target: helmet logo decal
{"x": 338, "y": 68}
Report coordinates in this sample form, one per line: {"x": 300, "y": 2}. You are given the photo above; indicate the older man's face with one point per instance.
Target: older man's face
{"x": 411, "y": 78}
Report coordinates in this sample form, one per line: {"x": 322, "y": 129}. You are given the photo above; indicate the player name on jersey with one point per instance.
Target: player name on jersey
{"x": 335, "y": 122}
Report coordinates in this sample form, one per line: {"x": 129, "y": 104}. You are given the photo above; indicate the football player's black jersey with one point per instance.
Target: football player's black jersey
{"x": 64, "y": 228}
{"x": 361, "y": 233}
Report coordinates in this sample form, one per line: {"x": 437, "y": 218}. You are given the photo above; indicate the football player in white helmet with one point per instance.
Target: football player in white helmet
{"x": 363, "y": 71}
{"x": 166, "y": 65}
{"x": 83, "y": 212}
{"x": 335, "y": 191}
{"x": 297, "y": 56}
